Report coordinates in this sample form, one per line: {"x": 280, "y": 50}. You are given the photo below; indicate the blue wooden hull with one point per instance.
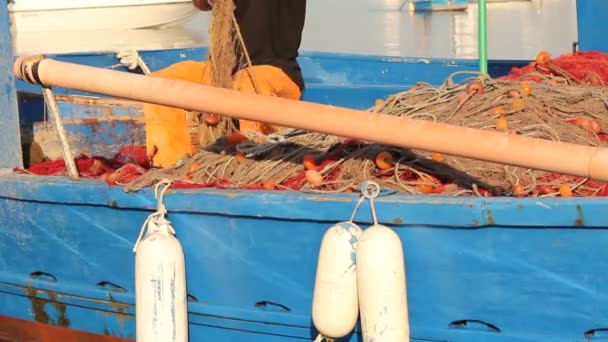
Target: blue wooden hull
{"x": 513, "y": 269}
{"x": 532, "y": 268}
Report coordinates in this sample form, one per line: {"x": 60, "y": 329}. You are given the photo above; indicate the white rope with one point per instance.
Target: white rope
{"x": 51, "y": 105}
{"x": 321, "y": 338}
{"x": 157, "y": 217}
{"x": 132, "y": 60}
{"x": 359, "y": 202}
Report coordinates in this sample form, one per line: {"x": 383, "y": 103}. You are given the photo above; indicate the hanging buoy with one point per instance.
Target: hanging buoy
{"x": 160, "y": 282}
{"x": 381, "y": 286}
{"x": 381, "y": 281}
{"x": 335, "y": 306}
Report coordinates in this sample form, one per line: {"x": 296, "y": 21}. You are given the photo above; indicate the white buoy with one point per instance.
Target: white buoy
{"x": 160, "y": 283}
{"x": 335, "y": 306}
{"x": 381, "y": 285}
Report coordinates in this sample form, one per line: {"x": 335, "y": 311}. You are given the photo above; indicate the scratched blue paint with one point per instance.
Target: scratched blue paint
{"x": 353, "y": 231}
{"x": 10, "y": 153}
{"x": 99, "y": 139}
{"x": 592, "y": 24}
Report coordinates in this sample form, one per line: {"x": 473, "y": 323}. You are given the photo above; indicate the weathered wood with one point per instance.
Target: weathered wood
{"x": 10, "y": 138}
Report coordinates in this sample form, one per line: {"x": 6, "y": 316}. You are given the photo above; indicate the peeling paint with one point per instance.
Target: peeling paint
{"x": 541, "y": 204}
{"x": 119, "y": 310}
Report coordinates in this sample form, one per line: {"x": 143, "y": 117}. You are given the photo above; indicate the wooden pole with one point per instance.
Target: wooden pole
{"x": 51, "y": 104}
{"x": 509, "y": 149}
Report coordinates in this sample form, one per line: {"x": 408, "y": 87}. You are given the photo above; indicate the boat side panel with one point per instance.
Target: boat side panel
{"x": 10, "y": 141}
{"x": 592, "y": 24}
{"x": 528, "y": 282}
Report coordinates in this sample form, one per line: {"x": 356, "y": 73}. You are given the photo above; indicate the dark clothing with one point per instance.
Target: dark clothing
{"x": 272, "y": 31}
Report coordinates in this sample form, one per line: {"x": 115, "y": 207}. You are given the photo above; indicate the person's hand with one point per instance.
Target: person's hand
{"x": 202, "y": 5}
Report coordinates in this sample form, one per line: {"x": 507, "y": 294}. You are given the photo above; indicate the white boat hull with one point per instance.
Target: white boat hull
{"x": 119, "y": 17}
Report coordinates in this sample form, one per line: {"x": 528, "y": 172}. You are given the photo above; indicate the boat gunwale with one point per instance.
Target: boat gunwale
{"x": 395, "y": 209}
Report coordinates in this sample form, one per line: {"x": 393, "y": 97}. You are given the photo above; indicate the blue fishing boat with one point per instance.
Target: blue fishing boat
{"x": 437, "y": 5}
{"x": 478, "y": 269}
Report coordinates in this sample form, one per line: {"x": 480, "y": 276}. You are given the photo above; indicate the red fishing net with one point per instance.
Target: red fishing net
{"x": 128, "y": 164}
{"x": 583, "y": 67}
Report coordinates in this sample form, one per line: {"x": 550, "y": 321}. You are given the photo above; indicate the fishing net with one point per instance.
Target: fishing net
{"x": 584, "y": 67}
{"x": 551, "y": 99}
{"x": 223, "y": 45}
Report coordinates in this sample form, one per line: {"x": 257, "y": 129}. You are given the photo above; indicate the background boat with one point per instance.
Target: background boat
{"x": 65, "y": 15}
{"x": 436, "y": 5}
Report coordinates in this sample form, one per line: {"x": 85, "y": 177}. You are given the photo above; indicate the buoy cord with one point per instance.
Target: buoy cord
{"x": 371, "y": 190}
{"x": 161, "y": 211}
{"x": 321, "y": 338}
{"x": 359, "y": 202}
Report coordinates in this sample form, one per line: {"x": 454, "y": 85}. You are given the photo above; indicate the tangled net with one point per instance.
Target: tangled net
{"x": 223, "y": 50}
{"x": 549, "y": 99}
{"x": 553, "y": 109}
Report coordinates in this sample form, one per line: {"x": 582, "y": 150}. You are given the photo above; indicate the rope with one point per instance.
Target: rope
{"x": 51, "y": 104}
{"x": 131, "y": 59}
{"x": 246, "y": 52}
{"x": 157, "y": 217}
{"x": 359, "y": 202}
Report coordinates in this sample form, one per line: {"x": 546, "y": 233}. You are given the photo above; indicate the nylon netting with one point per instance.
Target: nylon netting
{"x": 562, "y": 99}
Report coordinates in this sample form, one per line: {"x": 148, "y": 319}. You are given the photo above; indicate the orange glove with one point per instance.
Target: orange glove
{"x": 167, "y": 127}
{"x": 271, "y": 81}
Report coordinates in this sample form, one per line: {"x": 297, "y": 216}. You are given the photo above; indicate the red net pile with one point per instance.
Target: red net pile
{"x": 586, "y": 67}
{"x": 127, "y": 165}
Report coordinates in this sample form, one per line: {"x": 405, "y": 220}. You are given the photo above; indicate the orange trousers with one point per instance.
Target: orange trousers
{"x": 167, "y": 127}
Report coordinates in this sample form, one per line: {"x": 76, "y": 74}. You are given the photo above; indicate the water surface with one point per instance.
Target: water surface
{"x": 516, "y": 30}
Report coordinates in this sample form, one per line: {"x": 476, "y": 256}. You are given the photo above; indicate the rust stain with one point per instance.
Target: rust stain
{"x": 119, "y": 310}
{"x": 113, "y": 204}
{"x": 490, "y": 218}
{"x": 39, "y": 304}
{"x": 580, "y": 219}
{"x": 40, "y": 314}
{"x": 86, "y": 120}
{"x": 62, "y": 320}
{"x": 398, "y": 221}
